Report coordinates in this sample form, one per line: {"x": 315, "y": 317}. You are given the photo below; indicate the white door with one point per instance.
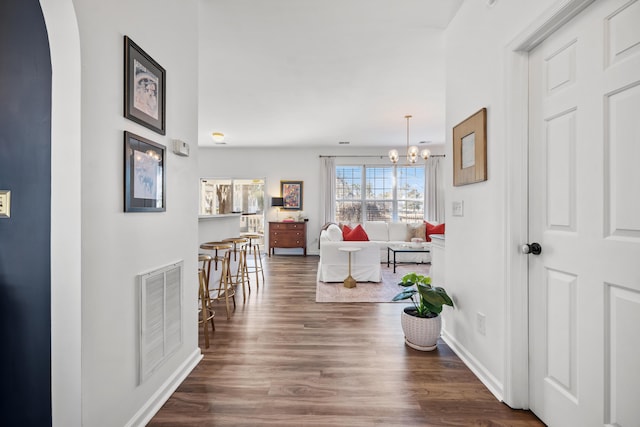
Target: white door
{"x": 584, "y": 210}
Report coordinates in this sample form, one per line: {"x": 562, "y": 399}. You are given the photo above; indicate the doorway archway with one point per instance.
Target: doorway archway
{"x": 66, "y": 256}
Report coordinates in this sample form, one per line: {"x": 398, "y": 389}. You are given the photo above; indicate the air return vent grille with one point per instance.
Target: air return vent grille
{"x": 160, "y": 316}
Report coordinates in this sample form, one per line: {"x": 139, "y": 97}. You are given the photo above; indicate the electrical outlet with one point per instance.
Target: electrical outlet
{"x": 481, "y": 323}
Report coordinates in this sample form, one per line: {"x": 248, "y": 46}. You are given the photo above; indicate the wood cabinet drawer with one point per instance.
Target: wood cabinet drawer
{"x": 286, "y": 226}
{"x": 287, "y": 243}
{"x": 284, "y": 234}
{"x": 287, "y": 235}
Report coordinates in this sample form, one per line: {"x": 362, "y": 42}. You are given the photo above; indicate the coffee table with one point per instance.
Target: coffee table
{"x": 405, "y": 247}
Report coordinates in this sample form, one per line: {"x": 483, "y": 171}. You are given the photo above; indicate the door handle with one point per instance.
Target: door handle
{"x": 531, "y": 248}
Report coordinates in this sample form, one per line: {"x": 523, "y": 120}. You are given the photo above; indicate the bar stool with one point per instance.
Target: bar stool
{"x": 224, "y": 288}
{"x": 254, "y": 247}
{"x": 215, "y": 246}
{"x": 241, "y": 275}
{"x": 205, "y": 266}
{"x": 206, "y": 312}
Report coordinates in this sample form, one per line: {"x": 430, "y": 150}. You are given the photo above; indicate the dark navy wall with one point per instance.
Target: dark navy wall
{"x": 25, "y": 169}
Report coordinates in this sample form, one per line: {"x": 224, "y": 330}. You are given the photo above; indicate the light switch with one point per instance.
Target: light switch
{"x": 5, "y": 203}
{"x": 457, "y": 208}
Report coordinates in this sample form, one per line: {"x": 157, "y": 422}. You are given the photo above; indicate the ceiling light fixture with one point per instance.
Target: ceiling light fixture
{"x": 412, "y": 151}
{"x": 218, "y": 136}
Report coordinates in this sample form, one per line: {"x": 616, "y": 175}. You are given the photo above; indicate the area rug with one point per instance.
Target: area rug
{"x": 367, "y": 291}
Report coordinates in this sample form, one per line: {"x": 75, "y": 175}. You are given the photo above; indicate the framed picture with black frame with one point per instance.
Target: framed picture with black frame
{"x": 144, "y": 175}
{"x": 144, "y": 88}
{"x": 291, "y": 192}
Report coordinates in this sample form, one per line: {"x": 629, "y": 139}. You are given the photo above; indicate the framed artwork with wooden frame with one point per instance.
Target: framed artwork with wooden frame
{"x": 291, "y": 192}
{"x": 144, "y": 175}
{"x": 144, "y": 88}
{"x": 470, "y": 149}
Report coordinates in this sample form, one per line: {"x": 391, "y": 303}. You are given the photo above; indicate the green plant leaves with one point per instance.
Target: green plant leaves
{"x": 405, "y": 295}
{"x": 411, "y": 279}
{"x": 431, "y": 298}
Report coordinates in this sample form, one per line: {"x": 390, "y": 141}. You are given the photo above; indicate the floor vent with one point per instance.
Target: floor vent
{"x": 160, "y": 317}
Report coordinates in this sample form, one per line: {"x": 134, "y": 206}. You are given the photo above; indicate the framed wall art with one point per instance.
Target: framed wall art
{"x": 144, "y": 175}
{"x": 144, "y": 88}
{"x": 291, "y": 192}
{"x": 470, "y": 149}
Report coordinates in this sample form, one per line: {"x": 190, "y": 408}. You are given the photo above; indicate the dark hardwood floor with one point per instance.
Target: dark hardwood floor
{"x": 285, "y": 360}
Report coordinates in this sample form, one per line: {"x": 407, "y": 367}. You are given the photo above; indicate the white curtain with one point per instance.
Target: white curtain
{"x": 327, "y": 189}
{"x": 435, "y": 190}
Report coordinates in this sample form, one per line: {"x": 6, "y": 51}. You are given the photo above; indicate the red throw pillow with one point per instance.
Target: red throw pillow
{"x": 345, "y": 231}
{"x": 356, "y": 235}
{"x": 433, "y": 229}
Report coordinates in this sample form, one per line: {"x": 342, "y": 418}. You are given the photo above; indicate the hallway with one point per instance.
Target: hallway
{"x": 285, "y": 360}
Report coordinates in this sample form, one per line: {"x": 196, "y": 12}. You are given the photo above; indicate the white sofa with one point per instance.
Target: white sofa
{"x": 365, "y": 263}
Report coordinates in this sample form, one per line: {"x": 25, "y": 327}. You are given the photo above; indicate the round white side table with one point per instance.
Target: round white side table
{"x": 349, "y": 282}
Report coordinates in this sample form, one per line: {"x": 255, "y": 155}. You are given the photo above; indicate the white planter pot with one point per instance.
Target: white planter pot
{"x": 420, "y": 333}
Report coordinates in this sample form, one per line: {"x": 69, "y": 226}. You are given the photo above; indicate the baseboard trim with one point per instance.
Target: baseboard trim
{"x": 155, "y": 402}
{"x": 489, "y": 381}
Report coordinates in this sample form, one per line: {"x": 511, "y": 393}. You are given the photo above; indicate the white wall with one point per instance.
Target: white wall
{"x": 476, "y": 42}
{"x": 275, "y": 164}
{"x": 117, "y": 246}
{"x": 66, "y": 242}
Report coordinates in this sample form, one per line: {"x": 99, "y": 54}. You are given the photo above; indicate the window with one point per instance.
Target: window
{"x": 410, "y": 194}
{"x": 244, "y": 197}
{"x": 379, "y": 195}
{"x": 390, "y": 193}
{"x": 348, "y": 193}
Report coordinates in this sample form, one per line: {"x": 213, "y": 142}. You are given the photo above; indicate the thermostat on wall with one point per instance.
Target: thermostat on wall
{"x": 180, "y": 148}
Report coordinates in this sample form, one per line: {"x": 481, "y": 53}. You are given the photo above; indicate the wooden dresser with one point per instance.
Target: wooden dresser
{"x": 287, "y": 235}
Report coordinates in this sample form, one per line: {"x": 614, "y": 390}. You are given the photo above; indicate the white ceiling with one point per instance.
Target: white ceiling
{"x": 312, "y": 73}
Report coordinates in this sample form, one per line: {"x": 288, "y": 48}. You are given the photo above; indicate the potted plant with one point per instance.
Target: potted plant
{"x": 421, "y": 323}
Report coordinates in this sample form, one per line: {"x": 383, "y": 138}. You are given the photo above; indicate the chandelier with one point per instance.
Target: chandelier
{"x": 412, "y": 151}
